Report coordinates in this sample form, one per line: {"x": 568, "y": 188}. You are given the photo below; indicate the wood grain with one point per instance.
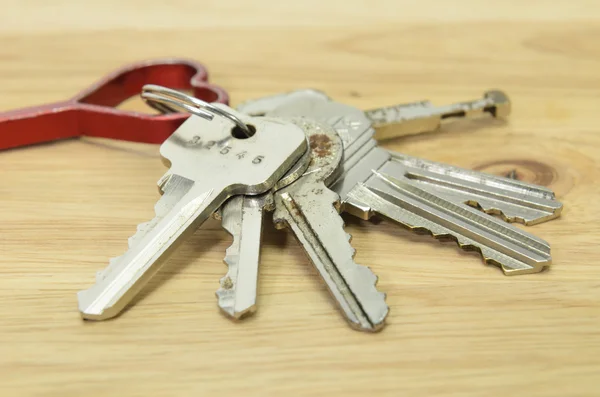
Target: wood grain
{"x": 456, "y": 328}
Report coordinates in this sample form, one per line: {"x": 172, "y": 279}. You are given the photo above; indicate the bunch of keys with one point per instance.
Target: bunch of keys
{"x": 308, "y": 158}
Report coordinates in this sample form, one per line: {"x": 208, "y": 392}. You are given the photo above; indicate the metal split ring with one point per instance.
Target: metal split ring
{"x": 166, "y": 100}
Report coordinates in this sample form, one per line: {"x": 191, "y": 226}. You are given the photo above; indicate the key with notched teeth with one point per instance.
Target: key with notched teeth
{"x": 310, "y": 210}
{"x": 242, "y": 217}
{"x": 208, "y": 164}
{"x": 305, "y": 205}
{"x": 511, "y": 199}
{"x": 397, "y": 120}
{"x": 426, "y": 195}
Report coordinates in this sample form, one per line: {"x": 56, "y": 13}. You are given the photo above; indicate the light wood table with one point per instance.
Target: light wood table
{"x": 456, "y": 327}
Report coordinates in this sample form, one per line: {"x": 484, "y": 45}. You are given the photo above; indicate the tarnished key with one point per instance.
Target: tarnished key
{"x": 208, "y": 165}
{"x": 242, "y": 217}
{"x": 397, "y": 120}
{"x": 373, "y": 181}
{"x": 310, "y": 209}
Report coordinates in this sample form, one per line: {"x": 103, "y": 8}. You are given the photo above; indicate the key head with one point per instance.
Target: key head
{"x": 349, "y": 122}
{"x": 326, "y": 151}
{"x": 295, "y": 172}
{"x": 209, "y": 151}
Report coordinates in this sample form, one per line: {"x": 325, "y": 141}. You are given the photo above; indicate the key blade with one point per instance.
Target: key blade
{"x": 261, "y": 159}
{"x": 242, "y": 217}
{"x": 501, "y": 244}
{"x": 421, "y": 116}
{"x": 219, "y": 166}
{"x": 112, "y": 293}
{"x": 320, "y": 229}
{"x": 513, "y": 200}
{"x": 310, "y": 210}
{"x": 174, "y": 188}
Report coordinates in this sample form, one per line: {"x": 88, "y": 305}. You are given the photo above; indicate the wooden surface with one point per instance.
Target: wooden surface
{"x": 456, "y": 327}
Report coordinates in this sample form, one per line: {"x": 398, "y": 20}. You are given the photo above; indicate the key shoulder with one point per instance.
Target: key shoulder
{"x": 203, "y": 150}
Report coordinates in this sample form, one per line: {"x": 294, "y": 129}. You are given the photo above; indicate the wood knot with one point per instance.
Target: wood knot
{"x": 530, "y": 171}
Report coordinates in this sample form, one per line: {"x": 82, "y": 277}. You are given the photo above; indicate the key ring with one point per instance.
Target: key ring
{"x": 167, "y": 100}
{"x": 93, "y": 111}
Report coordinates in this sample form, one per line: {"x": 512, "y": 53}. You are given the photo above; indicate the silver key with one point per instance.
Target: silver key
{"x": 371, "y": 177}
{"x": 172, "y": 188}
{"x": 422, "y": 116}
{"x": 398, "y": 120}
{"x": 242, "y": 217}
{"x": 208, "y": 165}
{"x": 239, "y": 215}
{"x": 310, "y": 209}
{"x": 172, "y": 184}
{"x": 419, "y": 206}
{"x": 513, "y": 200}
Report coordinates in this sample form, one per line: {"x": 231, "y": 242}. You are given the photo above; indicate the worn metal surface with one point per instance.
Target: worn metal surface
{"x": 242, "y": 217}
{"x": 310, "y": 209}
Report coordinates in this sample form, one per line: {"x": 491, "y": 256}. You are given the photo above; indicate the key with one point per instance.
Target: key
{"x": 176, "y": 188}
{"x": 511, "y": 199}
{"x": 422, "y": 116}
{"x": 420, "y": 207}
{"x": 209, "y": 162}
{"x": 356, "y": 131}
{"x": 310, "y": 209}
{"x": 242, "y": 217}
{"x": 375, "y": 182}
{"x": 170, "y": 182}
{"x": 398, "y": 120}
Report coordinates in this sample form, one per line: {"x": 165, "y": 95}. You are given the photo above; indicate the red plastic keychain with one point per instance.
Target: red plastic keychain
{"x": 92, "y": 112}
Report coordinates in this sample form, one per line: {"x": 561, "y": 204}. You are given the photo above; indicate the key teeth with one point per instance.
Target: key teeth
{"x": 362, "y": 268}
{"x": 382, "y": 295}
{"x": 141, "y": 229}
{"x": 523, "y": 203}
{"x": 498, "y": 212}
{"x": 366, "y": 274}
{"x": 227, "y": 305}
{"x": 491, "y": 210}
{"x": 541, "y": 248}
{"x": 468, "y": 247}
{"x": 226, "y": 300}
{"x": 160, "y": 209}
